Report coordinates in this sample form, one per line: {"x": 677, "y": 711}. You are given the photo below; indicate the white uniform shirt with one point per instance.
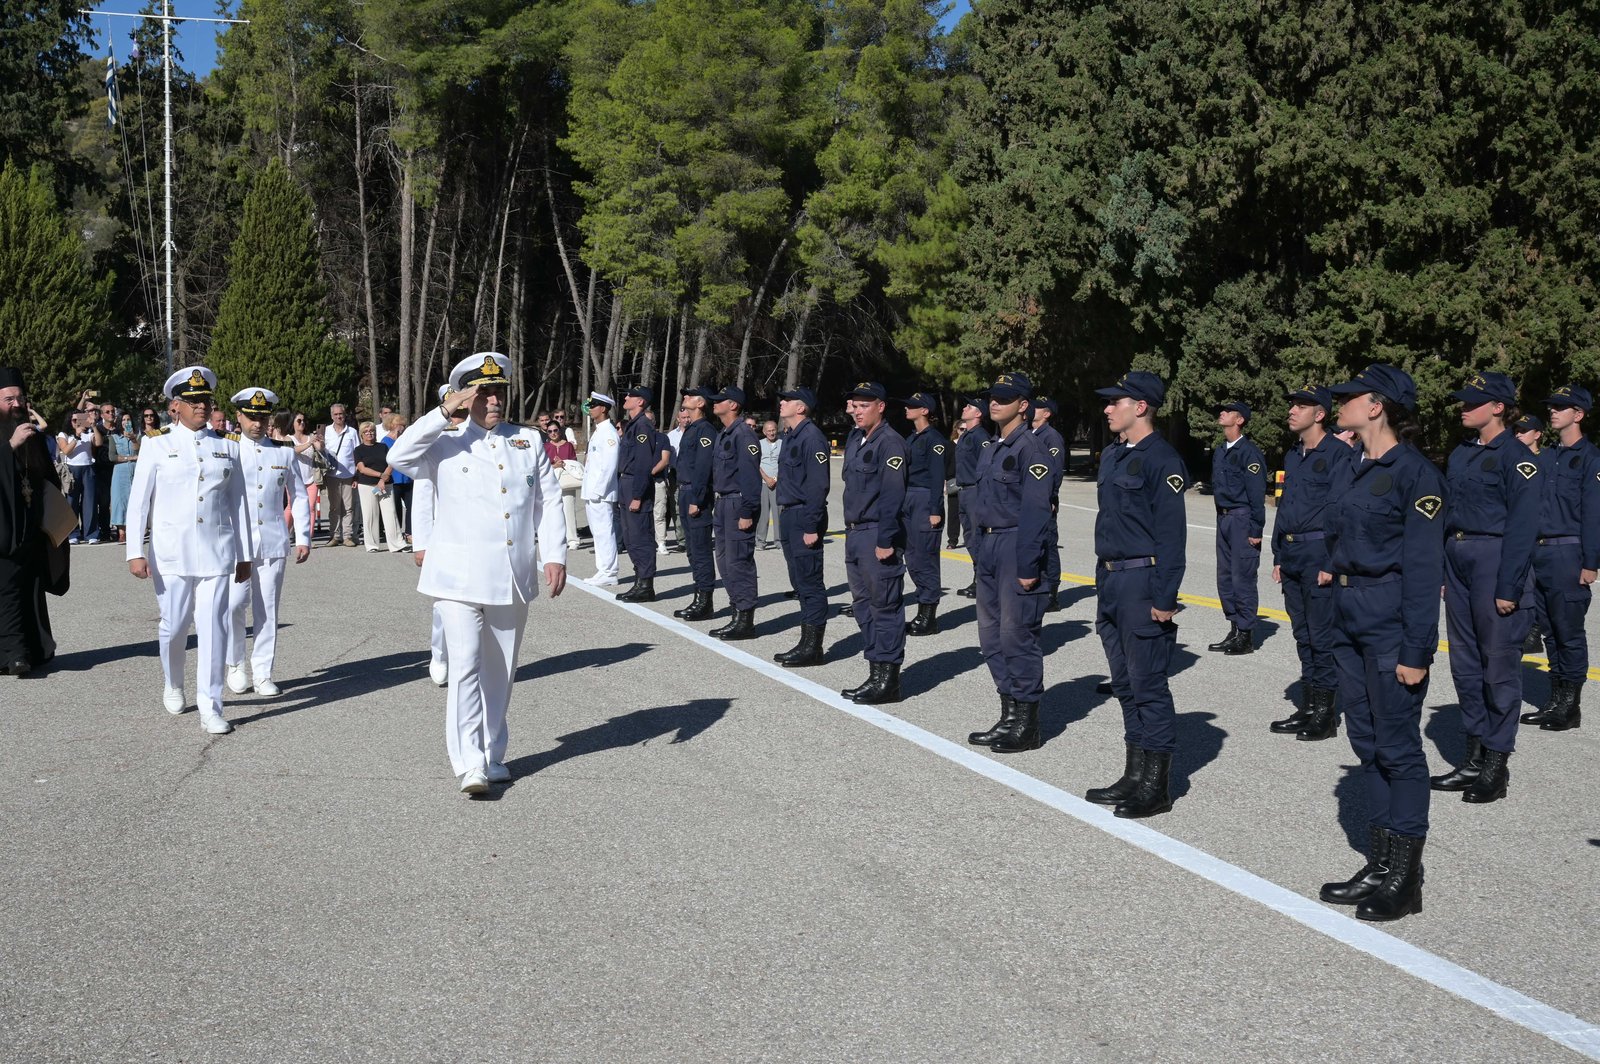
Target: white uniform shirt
{"x": 495, "y": 498}
{"x": 270, "y": 469}
{"x": 340, "y": 448}
{"x": 600, "y": 464}
{"x": 189, "y": 491}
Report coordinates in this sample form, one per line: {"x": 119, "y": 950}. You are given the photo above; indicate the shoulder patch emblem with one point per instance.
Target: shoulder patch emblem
{"x": 1175, "y": 482}
{"x": 234, "y": 436}
{"x": 1527, "y": 469}
{"x": 642, "y": 438}
{"x": 1429, "y": 506}
{"x": 986, "y": 443}
{"x": 754, "y": 448}
{"x": 1055, "y": 451}
{"x": 895, "y": 462}
{"x": 938, "y": 448}
{"x": 822, "y": 457}
{"x": 705, "y": 441}
{"x": 163, "y": 432}
{"x": 611, "y": 442}
{"x": 1254, "y": 467}
{"x": 1039, "y": 470}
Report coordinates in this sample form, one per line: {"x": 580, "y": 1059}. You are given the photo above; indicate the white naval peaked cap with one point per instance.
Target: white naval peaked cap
{"x": 603, "y": 398}
{"x": 191, "y": 382}
{"x": 444, "y": 390}
{"x": 255, "y": 400}
{"x": 485, "y": 367}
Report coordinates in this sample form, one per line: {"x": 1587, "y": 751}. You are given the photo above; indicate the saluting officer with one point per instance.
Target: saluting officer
{"x": 1386, "y": 551}
{"x": 1566, "y": 555}
{"x": 497, "y": 498}
{"x": 1239, "y": 488}
{"x": 1012, "y": 518}
{"x": 974, "y": 438}
{"x": 1055, "y": 449}
{"x": 195, "y": 547}
{"x": 424, "y": 502}
{"x": 636, "y": 492}
{"x": 696, "y": 502}
{"x": 270, "y": 469}
{"x": 924, "y": 512}
{"x": 1300, "y": 552}
{"x": 1139, "y": 541}
{"x": 875, "y": 540}
{"x": 736, "y": 479}
{"x": 802, "y": 498}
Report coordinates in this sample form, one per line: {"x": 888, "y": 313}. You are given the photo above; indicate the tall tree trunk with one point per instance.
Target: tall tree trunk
{"x": 602, "y": 375}
{"x": 422, "y": 290}
{"x": 797, "y": 339}
{"x": 666, "y": 358}
{"x": 505, "y": 227}
{"x": 443, "y": 332}
{"x": 701, "y": 336}
{"x": 408, "y": 247}
{"x": 755, "y": 308}
{"x": 366, "y": 252}
{"x": 683, "y": 350}
{"x": 585, "y": 319}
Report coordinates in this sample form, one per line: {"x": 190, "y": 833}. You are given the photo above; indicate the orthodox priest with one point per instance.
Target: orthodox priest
{"x": 29, "y": 565}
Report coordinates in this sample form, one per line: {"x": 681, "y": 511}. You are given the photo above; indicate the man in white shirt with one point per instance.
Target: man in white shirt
{"x": 339, "y": 445}
{"x": 600, "y": 488}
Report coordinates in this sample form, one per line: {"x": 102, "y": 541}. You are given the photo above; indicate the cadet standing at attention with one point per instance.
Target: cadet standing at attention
{"x": 1239, "y": 488}
{"x": 875, "y": 540}
{"x": 1386, "y": 553}
{"x": 636, "y": 492}
{"x": 194, "y": 550}
{"x": 1055, "y": 449}
{"x": 924, "y": 512}
{"x": 1300, "y": 552}
{"x": 974, "y": 438}
{"x": 1139, "y": 540}
{"x": 802, "y": 499}
{"x": 1566, "y": 555}
{"x": 270, "y": 470}
{"x": 736, "y": 478}
{"x": 696, "y": 501}
{"x": 1490, "y": 524}
{"x": 1012, "y": 518}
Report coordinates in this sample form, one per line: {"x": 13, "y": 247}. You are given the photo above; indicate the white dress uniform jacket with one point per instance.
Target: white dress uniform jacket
{"x": 600, "y": 464}
{"x": 189, "y": 491}
{"x": 270, "y": 469}
{"x": 496, "y": 498}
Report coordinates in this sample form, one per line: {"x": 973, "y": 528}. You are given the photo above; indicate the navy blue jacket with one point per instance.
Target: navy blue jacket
{"x": 1308, "y": 478}
{"x": 737, "y": 467}
{"x": 1055, "y": 454}
{"x": 925, "y": 451}
{"x": 804, "y": 476}
{"x": 1571, "y": 496}
{"x": 694, "y": 462}
{"x": 636, "y": 457}
{"x": 875, "y": 482}
{"x": 1141, "y": 512}
{"x": 968, "y": 447}
{"x": 1013, "y": 491}
{"x": 1239, "y": 478}
{"x": 1496, "y": 488}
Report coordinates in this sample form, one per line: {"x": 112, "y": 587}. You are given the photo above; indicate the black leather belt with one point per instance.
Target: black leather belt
{"x": 1117, "y": 565}
{"x": 1558, "y": 541}
{"x": 1225, "y": 510}
{"x": 991, "y": 529}
{"x": 1476, "y": 535}
{"x": 1304, "y": 537}
{"x": 850, "y": 525}
{"x": 726, "y": 494}
{"x": 1347, "y": 580}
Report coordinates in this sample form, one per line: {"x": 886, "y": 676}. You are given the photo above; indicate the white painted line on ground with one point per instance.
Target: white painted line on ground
{"x": 1560, "y": 1027}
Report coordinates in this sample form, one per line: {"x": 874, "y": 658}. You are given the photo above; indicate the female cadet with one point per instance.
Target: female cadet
{"x": 1489, "y": 527}
{"x": 1386, "y": 552}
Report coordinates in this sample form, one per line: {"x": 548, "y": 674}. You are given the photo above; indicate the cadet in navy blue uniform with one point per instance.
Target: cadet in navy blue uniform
{"x": 1530, "y": 431}
{"x": 1566, "y": 555}
{"x": 1300, "y": 552}
{"x": 1385, "y": 545}
{"x": 924, "y": 512}
{"x": 1239, "y": 488}
{"x": 636, "y": 492}
{"x": 1139, "y": 541}
{"x": 1011, "y": 516}
{"x": 696, "y": 501}
{"x": 1490, "y": 525}
{"x": 802, "y": 498}
{"x": 875, "y": 541}
{"x": 1044, "y": 411}
{"x": 974, "y": 438}
{"x": 736, "y": 478}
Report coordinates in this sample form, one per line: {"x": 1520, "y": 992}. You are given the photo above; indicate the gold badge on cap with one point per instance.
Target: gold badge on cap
{"x": 490, "y": 367}
{"x": 197, "y": 379}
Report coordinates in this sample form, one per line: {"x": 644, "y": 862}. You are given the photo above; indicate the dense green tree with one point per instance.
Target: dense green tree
{"x": 42, "y": 45}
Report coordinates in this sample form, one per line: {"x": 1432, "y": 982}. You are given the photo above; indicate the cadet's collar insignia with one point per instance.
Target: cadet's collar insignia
{"x": 1055, "y": 450}
{"x": 1175, "y": 482}
{"x": 822, "y": 458}
{"x": 1527, "y": 469}
{"x": 705, "y": 441}
{"x": 895, "y": 462}
{"x": 519, "y": 444}
{"x": 642, "y": 438}
{"x": 1254, "y": 467}
{"x": 1429, "y": 506}
{"x": 490, "y": 367}
{"x": 197, "y": 379}
{"x": 1039, "y": 470}
{"x": 753, "y": 448}
{"x": 938, "y": 448}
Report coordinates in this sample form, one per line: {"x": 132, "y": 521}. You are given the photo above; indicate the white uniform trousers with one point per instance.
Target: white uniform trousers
{"x": 203, "y": 602}
{"x": 436, "y": 651}
{"x": 603, "y": 527}
{"x": 660, "y": 514}
{"x": 261, "y": 593}
{"x": 482, "y": 642}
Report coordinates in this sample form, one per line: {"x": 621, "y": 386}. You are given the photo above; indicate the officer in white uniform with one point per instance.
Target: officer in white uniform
{"x": 189, "y": 491}
{"x": 423, "y": 503}
{"x": 496, "y": 498}
{"x": 600, "y": 487}
{"x": 270, "y": 470}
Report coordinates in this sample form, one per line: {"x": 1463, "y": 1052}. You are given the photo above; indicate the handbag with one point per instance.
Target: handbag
{"x": 58, "y": 521}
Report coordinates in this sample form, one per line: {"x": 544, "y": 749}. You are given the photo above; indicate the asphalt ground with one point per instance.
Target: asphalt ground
{"x": 701, "y": 860}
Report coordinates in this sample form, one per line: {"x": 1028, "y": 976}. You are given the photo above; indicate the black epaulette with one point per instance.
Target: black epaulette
{"x": 158, "y": 432}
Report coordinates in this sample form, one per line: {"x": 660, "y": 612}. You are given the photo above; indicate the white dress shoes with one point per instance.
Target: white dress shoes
{"x": 238, "y": 679}
{"x": 498, "y": 773}
{"x": 213, "y": 723}
{"x": 172, "y": 698}
{"x": 474, "y": 782}
{"x": 267, "y": 687}
{"x": 439, "y": 672}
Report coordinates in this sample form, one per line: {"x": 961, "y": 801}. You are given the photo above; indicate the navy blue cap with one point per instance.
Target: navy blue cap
{"x": 867, "y": 390}
{"x": 1137, "y": 384}
{"x": 702, "y": 392}
{"x": 1488, "y": 387}
{"x": 730, "y": 392}
{"x": 921, "y": 400}
{"x": 805, "y": 395}
{"x": 1571, "y": 395}
{"x": 642, "y": 392}
{"x": 1044, "y": 402}
{"x": 1242, "y": 409}
{"x": 1388, "y": 382}
{"x": 1010, "y": 386}
{"x": 1527, "y": 423}
{"x": 1314, "y": 394}
{"x": 978, "y": 401}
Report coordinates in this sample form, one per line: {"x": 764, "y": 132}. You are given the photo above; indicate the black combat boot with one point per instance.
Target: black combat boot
{"x": 806, "y": 652}
{"x": 1400, "y": 893}
{"x": 874, "y": 669}
{"x": 743, "y": 626}
{"x": 1022, "y": 733}
{"x": 698, "y": 609}
{"x": 926, "y": 621}
{"x": 1296, "y": 720}
{"x": 1539, "y": 716}
{"x": 1008, "y": 710}
{"x": 641, "y": 591}
{"x": 1461, "y": 778}
{"x": 1123, "y": 789}
{"x": 1226, "y": 641}
{"x": 1323, "y": 720}
{"x": 1360, "y": 886}
{"x": 1054, "y": 605}
{"x": 1490, "y": 786}
{"x": 1533, "y": 642}
{"x": 1244, "y": 642}
{"x": 1152, "y": 795}
{"x": 883, "y": 690}
{"x": 1568, "y": 713}
{"x": 971, "y": 590}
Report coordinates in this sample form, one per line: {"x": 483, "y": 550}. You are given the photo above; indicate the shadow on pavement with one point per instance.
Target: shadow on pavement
{"x": 1067, "y": 703}
{"x": 1443, "y": 730}
{"x": 335, "y": 684}
{"x": 682, "y": 722}
{"x": 1199, "y": 743}
{"x": 84, "y": 660}
{"x": 587, "y": 658}
{"x": 1350, "y": 796}
{"x": 922, "y": 676}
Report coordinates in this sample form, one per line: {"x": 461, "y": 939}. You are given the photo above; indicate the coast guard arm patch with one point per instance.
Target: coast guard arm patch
{"x": 895, "y": 462}
{"x": 1175, "y": 482}
{"x": 822, "y": 457}
{"x": 1429, "y": 506}
{"x": 705, "y": 441}
{"x": 1527, "y": 469}
{"x": 1039, "y": 470}
{"x": 1254, "y": 467}
{"x": 753, "y": 449}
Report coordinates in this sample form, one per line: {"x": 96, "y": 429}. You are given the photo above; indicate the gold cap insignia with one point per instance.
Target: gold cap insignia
{"x": 197, "y": 379}
{"x": 490, "y": 367}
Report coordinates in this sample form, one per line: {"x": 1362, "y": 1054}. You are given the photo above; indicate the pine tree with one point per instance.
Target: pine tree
{"x": 53, "y": 312}
{"x": 273, "y": 329}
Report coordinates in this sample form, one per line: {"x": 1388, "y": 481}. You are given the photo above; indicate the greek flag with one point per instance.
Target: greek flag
{"x": 111, "y": 91}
